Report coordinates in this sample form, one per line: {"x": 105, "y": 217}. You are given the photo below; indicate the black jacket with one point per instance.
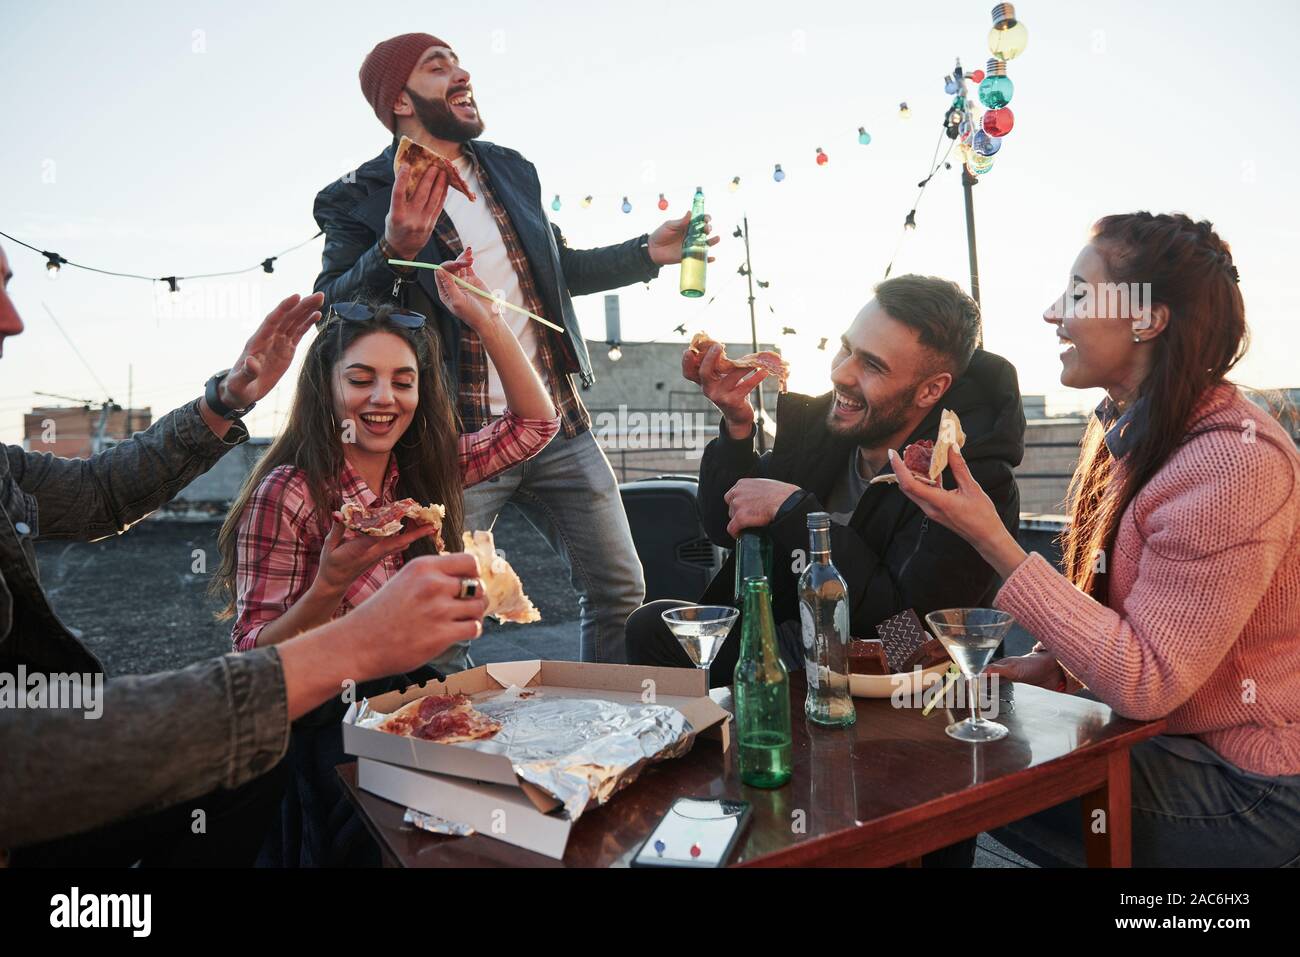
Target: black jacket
{"x": 352, "y": 209}
{"x": 890, "y": 554}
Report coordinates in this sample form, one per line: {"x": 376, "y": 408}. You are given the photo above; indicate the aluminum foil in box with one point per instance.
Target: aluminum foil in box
{"x": 579, "y": 750}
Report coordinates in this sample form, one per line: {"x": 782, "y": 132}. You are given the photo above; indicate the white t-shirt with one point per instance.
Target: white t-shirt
{"x": 478, "y": 230}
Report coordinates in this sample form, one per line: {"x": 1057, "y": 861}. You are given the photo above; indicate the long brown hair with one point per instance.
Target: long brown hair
{"x": 427, "y": 459}
{"x": 1190, "y": 270}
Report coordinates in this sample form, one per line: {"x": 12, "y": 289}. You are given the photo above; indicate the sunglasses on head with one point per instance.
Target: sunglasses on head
{"x": 360, "y": 312}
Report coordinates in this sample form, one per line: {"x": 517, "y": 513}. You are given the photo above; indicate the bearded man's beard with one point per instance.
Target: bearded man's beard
{"x": 882, "y": 420}
{"x": 441, "y": 123}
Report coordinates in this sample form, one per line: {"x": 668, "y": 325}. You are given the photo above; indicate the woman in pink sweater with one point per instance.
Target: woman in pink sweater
{"x": 1181, "y": 593}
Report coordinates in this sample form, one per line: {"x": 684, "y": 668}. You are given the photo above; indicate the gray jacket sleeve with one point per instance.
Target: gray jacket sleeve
{"x": 88, "y": 499}
{"x": 145, "y": 744}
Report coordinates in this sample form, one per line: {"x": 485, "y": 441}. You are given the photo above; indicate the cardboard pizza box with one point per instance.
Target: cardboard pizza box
{"x": 482, "y": 790}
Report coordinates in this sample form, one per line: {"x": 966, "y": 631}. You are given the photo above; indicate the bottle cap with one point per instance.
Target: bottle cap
{"x": 817, "y": 520}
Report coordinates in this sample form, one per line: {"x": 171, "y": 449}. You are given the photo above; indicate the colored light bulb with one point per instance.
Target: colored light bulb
{"x": 627, "y": 207}
{"x": 978, "y": 76}
{"x": 904, "y": 111}
{"x": 979, "y": 165}
{"x": 822, "y": 158}
{"x": 663, "y": 201}
{"x": 997, "y": 89}
{"x": 586, "y": 201}
{"x": 984, "y": 144}
{"x": 778, "y": 174}
{"x": 734, "y": 184}
{"x": 555, "y": 203}
{"x": 964, "y": 153}
{"x": 950, "y": 86}
{"x": 863, "y": 136}
{"x": 999, "y": 122}
{"x": 1008, "y": 38}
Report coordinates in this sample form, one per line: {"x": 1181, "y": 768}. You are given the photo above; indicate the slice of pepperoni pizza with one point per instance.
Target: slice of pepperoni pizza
{"x": 442, "y": 719}
{"x": 770, "y": 362}
{"x": 421, "y": 160}
{"x": 385, "y": 520}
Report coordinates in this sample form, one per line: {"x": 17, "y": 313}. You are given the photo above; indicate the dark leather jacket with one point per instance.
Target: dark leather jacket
{"x": 352, "y": 209}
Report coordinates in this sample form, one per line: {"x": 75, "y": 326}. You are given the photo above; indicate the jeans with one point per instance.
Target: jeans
{"x": 1191, "y": 808}
{"x": 568, "y": 493}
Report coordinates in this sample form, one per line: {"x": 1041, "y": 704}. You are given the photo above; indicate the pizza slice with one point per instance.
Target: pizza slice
{"x": 382, "y": 521}
{"x": 927, "y": 459}
{"x": 767, "y": 360}
{"x": 421, "y": 160}
{"x": 442, "y": 719}
{"x": 505, "y": 592}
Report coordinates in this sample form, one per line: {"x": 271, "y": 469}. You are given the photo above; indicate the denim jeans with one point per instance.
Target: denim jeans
{"x": 1191, "y": 808}
{"x": 568, "y": 493}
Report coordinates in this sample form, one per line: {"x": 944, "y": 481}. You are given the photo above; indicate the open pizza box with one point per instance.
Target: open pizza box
{"x": 482, "y": 790}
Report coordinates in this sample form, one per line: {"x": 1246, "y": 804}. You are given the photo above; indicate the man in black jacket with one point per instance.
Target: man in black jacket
{"x": 910, "y": 353}
{"x": 417, "y": 88}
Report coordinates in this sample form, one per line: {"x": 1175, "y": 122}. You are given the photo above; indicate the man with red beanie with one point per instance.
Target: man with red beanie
{"x": 417, "y": 87}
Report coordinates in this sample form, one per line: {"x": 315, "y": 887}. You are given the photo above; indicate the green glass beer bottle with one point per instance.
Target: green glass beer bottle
{"x": 695, "y": 250}
{"x": 762, "y": 693}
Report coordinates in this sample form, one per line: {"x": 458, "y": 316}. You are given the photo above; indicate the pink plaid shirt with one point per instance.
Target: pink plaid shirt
{"x": 280, "y": 536}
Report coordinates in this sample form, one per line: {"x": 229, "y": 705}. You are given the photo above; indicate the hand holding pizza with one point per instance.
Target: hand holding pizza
{"x": 966, "y": 510}
{"x": 417, "y": 615}
{"x": 413, "y": 214}
{"x": 729, "y": 391}
{"x": 267, "y": 354}
{"x": 344, "y": 559}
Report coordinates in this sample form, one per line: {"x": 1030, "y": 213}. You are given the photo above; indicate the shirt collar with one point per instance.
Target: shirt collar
{"x": 1122, "y": 428}
{"x": 353, "y": 488}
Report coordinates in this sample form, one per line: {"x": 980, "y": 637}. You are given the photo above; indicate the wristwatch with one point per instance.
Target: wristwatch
{"x": 388, "y": 252}
{"x": 212, "y": 395}
{"x": 643, "y": 244}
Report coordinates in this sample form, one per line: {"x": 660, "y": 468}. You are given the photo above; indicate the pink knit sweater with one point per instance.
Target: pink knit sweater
{"x": 1203, "y": 625}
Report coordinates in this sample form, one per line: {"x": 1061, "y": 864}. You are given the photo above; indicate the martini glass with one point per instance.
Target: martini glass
{"x": 971, "y": 636}
{"x": 701, "y": 630}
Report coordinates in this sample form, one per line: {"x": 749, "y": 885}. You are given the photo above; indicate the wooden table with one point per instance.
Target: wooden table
{"x": 886, "y": 791}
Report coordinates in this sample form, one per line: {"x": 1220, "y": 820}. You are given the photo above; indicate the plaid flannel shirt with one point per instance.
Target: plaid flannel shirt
{"x": 280, "y": 535}
{"x": 472, "y": 401}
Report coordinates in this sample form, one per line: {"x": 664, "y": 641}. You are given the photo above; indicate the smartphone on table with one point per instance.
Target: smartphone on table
{"x": 696, "y": 832}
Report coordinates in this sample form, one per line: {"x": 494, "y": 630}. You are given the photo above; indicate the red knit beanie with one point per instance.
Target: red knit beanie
{"x": 387, "y": 68}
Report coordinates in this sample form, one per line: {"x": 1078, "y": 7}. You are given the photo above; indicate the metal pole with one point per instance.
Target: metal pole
{"x": 968, "y": 179}
{"x": 753, "y": 332}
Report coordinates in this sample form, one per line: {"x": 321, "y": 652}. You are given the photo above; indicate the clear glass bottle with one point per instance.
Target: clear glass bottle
{"x": 824, "y": 616}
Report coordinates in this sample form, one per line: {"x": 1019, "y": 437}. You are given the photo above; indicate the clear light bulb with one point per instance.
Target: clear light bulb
{"x": 904, "y": 111}
{"x": 586, "y": 201}
{"x": 734, "y": 184}
{"x": 615, "y": 353}
{"x": 1008, "y": 38}
{"x": 997, "y": 89}
{"x": 51, "y": 270}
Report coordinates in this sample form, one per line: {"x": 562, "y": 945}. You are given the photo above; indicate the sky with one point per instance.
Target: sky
{"x": 191, "y": 137}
